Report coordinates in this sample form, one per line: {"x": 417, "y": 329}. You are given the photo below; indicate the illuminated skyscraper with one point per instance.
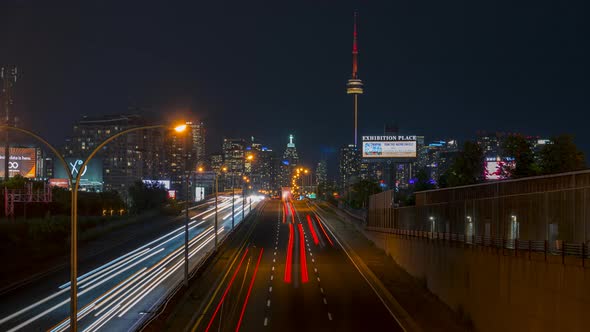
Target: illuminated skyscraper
{"x": 354, "y": 86}
{"x": 350, "y": 162}
{"x": 288, "y": 163}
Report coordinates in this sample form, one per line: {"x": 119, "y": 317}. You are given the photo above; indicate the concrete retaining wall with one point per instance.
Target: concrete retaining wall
{"x": 495, "y": 291}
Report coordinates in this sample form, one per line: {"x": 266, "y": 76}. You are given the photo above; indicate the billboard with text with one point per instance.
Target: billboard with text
{"x": 389, "y": 146}
{"x": 22, "y": 161}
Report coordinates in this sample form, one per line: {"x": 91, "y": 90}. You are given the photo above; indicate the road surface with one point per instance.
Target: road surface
{"x": 115, "y": 295}
{"x": 291, "y": 275}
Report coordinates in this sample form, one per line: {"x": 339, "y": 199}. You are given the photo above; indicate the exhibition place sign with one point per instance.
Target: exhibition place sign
{"x": 389, "y": 138}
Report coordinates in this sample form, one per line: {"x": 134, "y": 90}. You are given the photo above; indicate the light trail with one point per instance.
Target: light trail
{"x": 226, "y": 290}
{"x": 131, "y": 290}
{"x": 312, "y": 230}
{"x": 288, "y": 263}
{"x": 303, "y": 259}
{"x": 249, "y": 291}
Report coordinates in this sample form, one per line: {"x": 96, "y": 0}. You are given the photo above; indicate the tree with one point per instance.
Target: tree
{"x": 519, "y": 148}
{"x": 423, "y": 181}
{"x": 146, "y": 196}
{"x": 467, "y": 168}
{"x": 562, "y": 155}
{"x": 361, "y": 191}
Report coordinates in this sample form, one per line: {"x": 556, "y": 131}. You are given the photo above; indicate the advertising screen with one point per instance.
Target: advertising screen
{"x": 389, "y": 146}
{"x": 497, "y": 168}
{"x": 162, "y": 183}
{"x": 22, "y": 161}
{"x": 91, "y": 173}
{"x": 199, "y": 194}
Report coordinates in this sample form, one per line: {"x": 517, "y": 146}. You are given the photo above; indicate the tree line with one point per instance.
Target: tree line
{"x": 559, "y": 156}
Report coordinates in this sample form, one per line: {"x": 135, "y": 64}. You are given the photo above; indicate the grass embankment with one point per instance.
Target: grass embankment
{"x": 32, "y": 245}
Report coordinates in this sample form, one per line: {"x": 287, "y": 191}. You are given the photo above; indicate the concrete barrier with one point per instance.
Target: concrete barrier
{"x": 497, "y": 292}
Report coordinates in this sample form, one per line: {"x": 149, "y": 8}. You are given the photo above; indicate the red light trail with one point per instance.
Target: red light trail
{"x": 226, "y": 291}
{"x": 323, "y": 230}
{"x": 312, "y": 230}
{"x": 304, "y": 276}
{"x": 289, "y": 255}
{"x": 249, "y": 291}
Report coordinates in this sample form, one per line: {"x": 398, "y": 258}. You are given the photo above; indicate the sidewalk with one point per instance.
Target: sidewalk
{"x": 427, "y": 311}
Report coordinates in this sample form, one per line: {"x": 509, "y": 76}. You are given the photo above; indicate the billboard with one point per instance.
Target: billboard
{"x": 22, "y": 161}
{"x": 389, "y": 146}
{"x": 91, "y": 175}
{"x": 496, "y": 168}
{"x": 162, "y": 183}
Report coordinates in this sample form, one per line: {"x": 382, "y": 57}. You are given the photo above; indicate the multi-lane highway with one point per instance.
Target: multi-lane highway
{"x": 115, "y": 295}
{"x": 291, "y": 274}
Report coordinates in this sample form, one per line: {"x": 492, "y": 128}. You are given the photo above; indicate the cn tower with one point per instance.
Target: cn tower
{"x": 354, "y": 86}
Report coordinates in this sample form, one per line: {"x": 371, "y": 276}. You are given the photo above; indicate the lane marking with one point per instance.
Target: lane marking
{"x": 408, "y": 319}
{"x": 226, "y": 291}
{"x": 329, "y": 316}
{"x": 249, "y": 290}
{"x": 265, "y": 321}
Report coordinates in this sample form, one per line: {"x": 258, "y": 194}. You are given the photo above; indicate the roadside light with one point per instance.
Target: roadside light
{"x": 200, "y": 169}
{"x": 180, "y": 128}
{"x": 306, "y": 171}
{"x": 250, "y": 157}
{"x": 245, "y": 178}
{"x": 224, "y": 169}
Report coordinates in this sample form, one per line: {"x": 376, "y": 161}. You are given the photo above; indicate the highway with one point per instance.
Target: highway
{"x": 115, "y": 295}
{"x": 291, "y": 274}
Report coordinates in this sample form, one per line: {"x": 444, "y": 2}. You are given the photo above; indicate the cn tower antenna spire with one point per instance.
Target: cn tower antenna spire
{"x": 354, "y": 86}
{"x": 355, "y": 48}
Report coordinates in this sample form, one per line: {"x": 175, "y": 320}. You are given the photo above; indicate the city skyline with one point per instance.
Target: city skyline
{"x": 412, "y": 68}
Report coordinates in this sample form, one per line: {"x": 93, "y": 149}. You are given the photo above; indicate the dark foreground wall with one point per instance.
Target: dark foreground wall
{"x": 495, "y": 289}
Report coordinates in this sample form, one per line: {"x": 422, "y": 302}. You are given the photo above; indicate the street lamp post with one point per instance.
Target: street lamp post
{"x": 181, "y": 129}
{"x": 75, "y": 183}
{"x": 232, "y": 202}
{"x": 224, "y": 169}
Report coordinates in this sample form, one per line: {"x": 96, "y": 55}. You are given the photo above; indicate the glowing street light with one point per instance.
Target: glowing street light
{"x": 180, "y": 128}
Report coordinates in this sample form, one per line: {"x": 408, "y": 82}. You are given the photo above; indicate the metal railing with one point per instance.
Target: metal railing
{"x": 515, "y": 247}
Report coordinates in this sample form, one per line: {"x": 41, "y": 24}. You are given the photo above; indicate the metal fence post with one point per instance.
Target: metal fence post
{"x": 583, "y": 254}
{"x": 545, "y": 249}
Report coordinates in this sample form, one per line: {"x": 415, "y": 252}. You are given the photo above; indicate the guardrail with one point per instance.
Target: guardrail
{"x": 516, "y": 247}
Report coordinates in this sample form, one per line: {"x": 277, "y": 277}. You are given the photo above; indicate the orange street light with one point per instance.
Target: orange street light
{"x": 180, "y": 128}
{"x": 200, "y": 169}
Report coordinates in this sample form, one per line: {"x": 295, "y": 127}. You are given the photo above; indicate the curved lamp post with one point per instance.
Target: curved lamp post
{"x": 75, "y": 183}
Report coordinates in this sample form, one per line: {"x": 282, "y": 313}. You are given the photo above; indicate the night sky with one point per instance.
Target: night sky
{"x": 271, "y": 68}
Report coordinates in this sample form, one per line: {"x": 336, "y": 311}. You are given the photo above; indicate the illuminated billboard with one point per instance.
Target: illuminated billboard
{"x": 389, "y": 146}
{"x": 496, "y": 168}
{"x": 161, "y": 183}
{"x": 22, "y": 161}
{"x": 90, "y": 176}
